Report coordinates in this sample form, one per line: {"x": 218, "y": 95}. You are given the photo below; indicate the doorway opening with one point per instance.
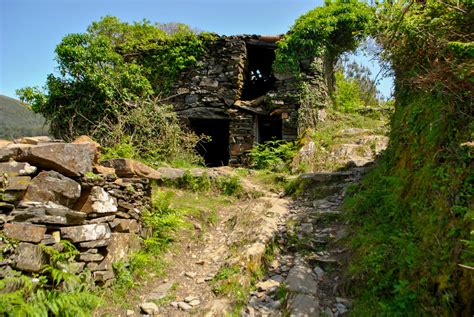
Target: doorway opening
{"x": 259, "y": 78}
{"x": 269, "y": 128}
{"x": 216, "y": 150}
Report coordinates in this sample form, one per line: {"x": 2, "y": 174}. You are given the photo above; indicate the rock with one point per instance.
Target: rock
{"x": 47, "y": 213}
{"x": 88, "y": 257}
{"x": 10, "y": 196}
{"x": 24, "y": 232}
{"x": 34, "y": 140}
{"x": 306, "y": 228}
{"x": 93, "y": 145}
{"x": 190, "y": 274}
{"x": 101, "y": 219}
{"x": 319, "y": 272}
{"x": 209, "y": 82}
{"x": 131, "y": 168}
{"x": 188, "y": 299}
{"x": 102, "y": 276}
{"x": 86, "y": 232}
{"x": 14, "y": 182}
{"x": 266, "y": 285}
{"x": 194, "y": 302}
{"x": 121, "y": 245}
{"x": 149, "y": 308}
{"x": 13, "y": 168}
{"x": 30, "y": 257}
{"x": 102, "y": 170}
{"x": 97, "y": 200}
{"x": 52, "y": 186}
{"x": 170, "y": 173}
{"x": 341, "y": 308}
{"x": 344, "y": 301}
{"x": 6, "y": 154}
{"x": 94, "y": 244}
{"x": 125, "y": 225}
{"x": 160, "y": 292}
{"x": 65, "y": 158}
{"x": 130, "y": 313}
{"x": 300, "y": 280}
{"x": 303, "y": 305}
{"x": 184, "y": 306}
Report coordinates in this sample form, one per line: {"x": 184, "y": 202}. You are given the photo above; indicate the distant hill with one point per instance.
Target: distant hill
{"x": 16, "y": 120}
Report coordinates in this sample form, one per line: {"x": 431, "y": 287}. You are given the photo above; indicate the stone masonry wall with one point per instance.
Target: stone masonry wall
{"x": 52, "y": 191}
{"x": 213, "y": 89}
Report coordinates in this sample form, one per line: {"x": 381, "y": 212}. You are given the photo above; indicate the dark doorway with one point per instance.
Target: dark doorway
{"x": 259, "y": 78}
{"x": 215, "y": 151}
{"x": 269, "y": 128}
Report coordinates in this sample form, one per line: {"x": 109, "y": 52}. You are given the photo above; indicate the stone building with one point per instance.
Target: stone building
{"x": 233, "y": 96}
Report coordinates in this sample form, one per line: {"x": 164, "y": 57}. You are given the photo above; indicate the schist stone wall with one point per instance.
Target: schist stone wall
{"x": 220, "y": 88}
{"x": 52, "y": 191}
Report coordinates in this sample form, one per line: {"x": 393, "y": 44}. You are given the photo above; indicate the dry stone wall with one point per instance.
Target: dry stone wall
{"x": 52, "y": 191}
{"x": 214, "y": 89}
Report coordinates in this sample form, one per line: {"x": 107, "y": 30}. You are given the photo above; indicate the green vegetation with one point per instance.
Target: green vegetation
{"x": 272, "y": 155}
{"x": 59, "y": 290}
{"x": 17, "y": 120}
{"x": 223, "y": 184}
{"x": 110, "y": 84}
{"x": 327, "y": 31}
{"x": 412, "y": 216}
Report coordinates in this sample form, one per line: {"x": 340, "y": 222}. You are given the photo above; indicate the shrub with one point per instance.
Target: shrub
{"x": 273, "y": 155}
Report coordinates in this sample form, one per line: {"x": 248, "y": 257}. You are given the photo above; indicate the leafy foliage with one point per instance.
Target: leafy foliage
{"x": 58, "y": 291}
{"x": 106, "y": 76}
{"x": 273, "y": 155}
{"x": 330, "y": 30}
{"x": 411, "y": 216}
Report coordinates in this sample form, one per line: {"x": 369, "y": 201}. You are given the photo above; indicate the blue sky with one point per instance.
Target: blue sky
{"x": 31, "y": 29}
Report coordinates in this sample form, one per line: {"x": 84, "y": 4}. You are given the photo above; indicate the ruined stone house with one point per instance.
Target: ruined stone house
{"x": 233, "y": 96}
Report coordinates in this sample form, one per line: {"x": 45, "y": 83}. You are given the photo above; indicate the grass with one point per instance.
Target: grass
{"x": 327, "y": 135}
{"x": 173, "y": 213}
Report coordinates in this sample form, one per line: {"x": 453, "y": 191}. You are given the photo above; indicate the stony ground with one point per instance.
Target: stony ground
{"x": 305, "y": 276}
{"x": 298, "y": 241}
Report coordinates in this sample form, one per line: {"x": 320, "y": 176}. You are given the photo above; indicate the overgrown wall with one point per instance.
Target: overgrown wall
{"x": 49, "y": 193}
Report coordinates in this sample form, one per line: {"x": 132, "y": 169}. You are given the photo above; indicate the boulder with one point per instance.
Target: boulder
{"x": 24, "y": 232}
{"x": 47, "y": 213}
{"x": 66, "y": 158}
{"x": 97, "y": 200}
{"x": 54, "y": 187}
{"x": 130, "y": 168}
{"x": 13, "y": 168}
{"x": 30, "y": 257}
{"x": 86, "y": 232}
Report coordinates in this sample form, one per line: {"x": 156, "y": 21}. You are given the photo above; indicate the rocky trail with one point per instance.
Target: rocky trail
{"x": 298, "y": 241}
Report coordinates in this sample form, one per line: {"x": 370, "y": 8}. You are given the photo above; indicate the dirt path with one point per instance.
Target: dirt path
{"x": 209, "y": 270}
{"x": 305, "y": 276}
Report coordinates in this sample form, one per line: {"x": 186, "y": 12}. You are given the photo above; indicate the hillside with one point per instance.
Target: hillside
{"x": 17, "y": 120}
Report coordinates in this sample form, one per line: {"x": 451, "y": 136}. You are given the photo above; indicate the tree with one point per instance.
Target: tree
{"x": 107, "y": 72}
